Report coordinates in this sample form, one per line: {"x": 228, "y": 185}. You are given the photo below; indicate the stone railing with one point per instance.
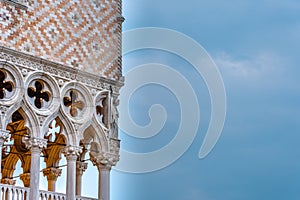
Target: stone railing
{"x": 46, "y": 195}
{"x": 85, "y": 198}
{"x": 10, "y": 192}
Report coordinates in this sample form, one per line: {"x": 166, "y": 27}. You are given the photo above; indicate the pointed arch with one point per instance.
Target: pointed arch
{"x": 30, "y": 119}
{"x": 68, "y": 129}
{"x": 96, "y": 134}
{"x": 54, "y": 146}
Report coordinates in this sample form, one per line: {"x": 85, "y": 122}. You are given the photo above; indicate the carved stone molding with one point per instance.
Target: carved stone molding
{"x": 61, "y": 72}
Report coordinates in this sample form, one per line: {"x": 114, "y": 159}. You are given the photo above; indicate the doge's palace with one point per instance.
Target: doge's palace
{"x": 60, "y": 76}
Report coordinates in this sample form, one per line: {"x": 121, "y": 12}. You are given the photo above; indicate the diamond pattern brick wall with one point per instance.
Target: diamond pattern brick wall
{"x": 84, "y": 34}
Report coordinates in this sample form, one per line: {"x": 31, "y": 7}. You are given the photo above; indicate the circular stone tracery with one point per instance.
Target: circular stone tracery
{"x": 77, "y": 102}
{"x": 6, "y": 85}
{"x": 39, "y": 94}
{"x": 73, "y": 101}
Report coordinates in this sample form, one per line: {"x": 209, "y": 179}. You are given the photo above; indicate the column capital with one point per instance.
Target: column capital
{"x": 104, "y": 161}
{"x": 26, "y": 179}
{"x": 52, "y": 173}
{"x": 34, "y": 142}
{"x": 4, "y": 134}
{"x": 8, "y": 181}
{"x": 71, "y": 152}
{"x": 81, "y": 167}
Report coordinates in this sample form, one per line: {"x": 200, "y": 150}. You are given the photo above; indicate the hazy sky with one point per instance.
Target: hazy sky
{"x": 256, "y": 46}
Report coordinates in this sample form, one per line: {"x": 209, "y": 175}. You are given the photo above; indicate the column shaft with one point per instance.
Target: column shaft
{"x": 71, "y": 174}
{"x": 104, "y": 183}
{"x": 80, "y": 168}
{"x": 34, "y": 173}
{"x": 71, "y": 153}
{"x": 78, "y": 184}
{"x": 35, "y": 145}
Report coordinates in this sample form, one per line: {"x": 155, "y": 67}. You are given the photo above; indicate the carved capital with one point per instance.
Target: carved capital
{"x": 26, "y": 179}
{"x": 35, "y": 143}
{"x": 71, "y": 152}
{"x": 8, "y": 181}
{"x": 4, "y": 134}
{"x": 114, "y": 146}
{"x": 105, "y": 160}
{"x": 81, "y": 167}
{"x": 52, "y": 173}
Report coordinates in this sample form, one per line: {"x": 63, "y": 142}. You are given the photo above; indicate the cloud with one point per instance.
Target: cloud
{"x": 249, "y": 68}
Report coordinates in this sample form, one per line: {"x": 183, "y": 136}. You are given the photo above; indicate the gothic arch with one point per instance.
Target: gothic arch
{"x": 16, "y": 150}
{"x": 56, "y": 141}
{"x": 68, "y": 129}
{"x": 32, "y": 124}
{"x": 95, "y": 134}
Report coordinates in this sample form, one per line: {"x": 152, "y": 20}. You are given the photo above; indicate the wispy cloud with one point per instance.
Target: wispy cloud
{"x": 248, "y": 68}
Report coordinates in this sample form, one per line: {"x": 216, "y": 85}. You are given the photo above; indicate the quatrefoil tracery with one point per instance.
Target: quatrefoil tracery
{"x": 73, "y": 103}
{"x": 38, "y": 94}
{"x": 5, "y": 86}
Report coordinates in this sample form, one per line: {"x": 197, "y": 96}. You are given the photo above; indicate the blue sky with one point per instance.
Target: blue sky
{"x": 256, "y": 46}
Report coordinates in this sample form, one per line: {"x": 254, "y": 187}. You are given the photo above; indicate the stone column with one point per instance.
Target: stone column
{"x": 3, "y": 136}
{"x": 35, "y": 145}
{"x": 104, "y": 182}
{"x": 80, "y": 168}
{"x": 71, "y": 153}
{"x": 52, "y": 174}
{"x": 26, "y": 179}
{"x": 104, "y": 162}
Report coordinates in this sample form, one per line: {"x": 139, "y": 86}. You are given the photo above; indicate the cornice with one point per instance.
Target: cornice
{"x": 59, "y": 71}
